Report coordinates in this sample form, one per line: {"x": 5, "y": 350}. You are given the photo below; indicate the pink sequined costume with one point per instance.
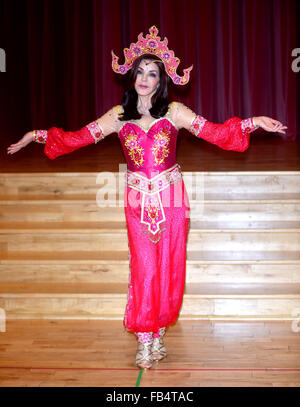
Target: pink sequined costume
{"x": 156, "y": 206}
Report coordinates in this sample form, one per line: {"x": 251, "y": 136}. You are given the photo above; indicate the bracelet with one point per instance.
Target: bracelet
{"x": 40, "y": 136}
{"x": 96, "y": 131}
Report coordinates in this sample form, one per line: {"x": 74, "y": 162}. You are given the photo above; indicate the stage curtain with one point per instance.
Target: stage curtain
{"x": 58, "y": 58}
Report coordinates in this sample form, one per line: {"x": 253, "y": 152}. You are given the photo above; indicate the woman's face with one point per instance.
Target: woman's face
{"x": 147, "y": 79}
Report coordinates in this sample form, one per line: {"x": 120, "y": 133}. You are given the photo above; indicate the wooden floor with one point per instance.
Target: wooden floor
{"x": 76, "y": 353}
{"x": 267, "y": 152}
{"x": 200, "y": 353}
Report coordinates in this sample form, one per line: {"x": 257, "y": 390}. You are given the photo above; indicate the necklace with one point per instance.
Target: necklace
{"x": 143, "y": 111}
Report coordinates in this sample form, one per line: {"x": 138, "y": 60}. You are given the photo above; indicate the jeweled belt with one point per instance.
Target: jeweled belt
{"x": 152, "y": 211}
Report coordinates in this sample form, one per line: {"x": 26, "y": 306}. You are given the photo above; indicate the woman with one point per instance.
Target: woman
{"x": 156, "y": 203}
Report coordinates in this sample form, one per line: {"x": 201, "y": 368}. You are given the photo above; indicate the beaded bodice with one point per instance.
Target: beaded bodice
{"x": 151, "y": 150}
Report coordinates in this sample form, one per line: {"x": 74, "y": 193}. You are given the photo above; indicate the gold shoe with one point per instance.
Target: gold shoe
{"x": 144, "y": 356}
{"x": 158, "y": 349}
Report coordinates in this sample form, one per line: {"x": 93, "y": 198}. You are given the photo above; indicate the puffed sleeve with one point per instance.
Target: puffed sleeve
{"x": 233, "y": 134}
{"x": 59, "y": 142}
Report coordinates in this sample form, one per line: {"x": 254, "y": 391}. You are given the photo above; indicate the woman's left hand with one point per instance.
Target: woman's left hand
{"x": 269, "y": 124}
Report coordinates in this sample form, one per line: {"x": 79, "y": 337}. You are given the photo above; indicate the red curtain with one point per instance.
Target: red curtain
{"x": 58, "y": 70}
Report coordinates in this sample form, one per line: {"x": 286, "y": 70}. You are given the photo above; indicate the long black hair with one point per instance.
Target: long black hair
{"x": 159, "y": 100}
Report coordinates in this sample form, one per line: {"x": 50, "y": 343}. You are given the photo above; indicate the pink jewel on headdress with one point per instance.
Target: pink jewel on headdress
{"x": 152, "y": 45}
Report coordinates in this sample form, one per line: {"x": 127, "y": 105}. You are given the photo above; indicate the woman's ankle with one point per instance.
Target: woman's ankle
{"x": 160, "y": 332}
{"x": 144, "y": 337}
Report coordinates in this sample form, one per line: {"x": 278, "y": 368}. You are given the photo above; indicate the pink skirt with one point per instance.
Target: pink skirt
{"x": 157, "y": 262}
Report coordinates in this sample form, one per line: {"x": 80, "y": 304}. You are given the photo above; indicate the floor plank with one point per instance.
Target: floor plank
{"x": 101, "y": 354}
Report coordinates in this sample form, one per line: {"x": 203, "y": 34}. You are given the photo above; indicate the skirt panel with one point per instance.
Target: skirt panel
{"x": 156, "y": 269}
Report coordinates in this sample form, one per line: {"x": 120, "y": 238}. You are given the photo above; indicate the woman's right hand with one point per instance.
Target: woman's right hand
{"x": 25, "y": 140}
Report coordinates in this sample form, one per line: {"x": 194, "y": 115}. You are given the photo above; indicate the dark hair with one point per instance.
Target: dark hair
{"x": 159, "y": 100}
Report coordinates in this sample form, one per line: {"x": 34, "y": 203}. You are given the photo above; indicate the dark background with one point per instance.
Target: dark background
{"x": 58, "y": 58}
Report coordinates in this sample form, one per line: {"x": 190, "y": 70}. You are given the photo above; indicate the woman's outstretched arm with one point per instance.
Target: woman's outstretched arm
{"x": 233, "y": 134}
{"x": 58, "y": 142}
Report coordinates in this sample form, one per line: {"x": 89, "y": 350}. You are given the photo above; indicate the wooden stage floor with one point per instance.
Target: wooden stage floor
{"x": 200, "y": 353}
{"x": 95, "y": 353}
{"x": 267, "y": 152}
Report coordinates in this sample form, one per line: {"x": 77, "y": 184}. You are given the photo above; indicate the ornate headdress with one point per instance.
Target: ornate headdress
{"x": 152, "y": 45}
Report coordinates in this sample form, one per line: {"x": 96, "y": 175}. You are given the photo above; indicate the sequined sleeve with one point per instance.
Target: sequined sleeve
{"x": 58, "y": 142}
{"x": 233, "y": 134}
